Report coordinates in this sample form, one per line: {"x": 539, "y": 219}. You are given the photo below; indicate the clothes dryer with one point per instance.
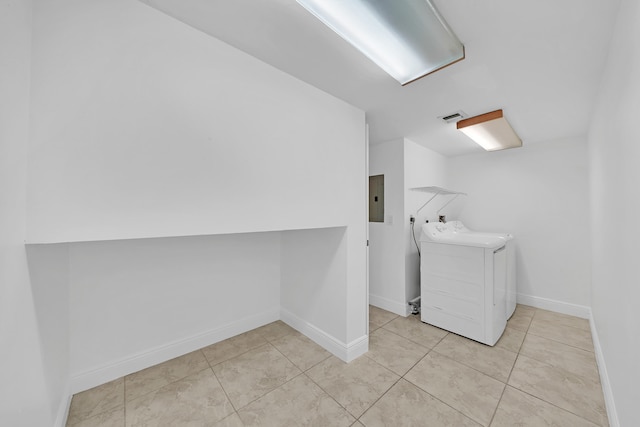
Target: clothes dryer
{"x": 463, "y": 282}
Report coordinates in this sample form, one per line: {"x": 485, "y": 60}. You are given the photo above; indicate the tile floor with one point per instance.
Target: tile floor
{"x": 542, "y": 372}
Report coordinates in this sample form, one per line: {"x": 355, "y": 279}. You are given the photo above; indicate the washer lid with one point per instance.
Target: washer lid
{"x": 436, "y": 232}
{"x": 458, "y": 227}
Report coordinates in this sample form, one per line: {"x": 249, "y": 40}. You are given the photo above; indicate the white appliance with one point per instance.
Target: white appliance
{"x": 463, "y": 281}
{"x": 459, "y": 227}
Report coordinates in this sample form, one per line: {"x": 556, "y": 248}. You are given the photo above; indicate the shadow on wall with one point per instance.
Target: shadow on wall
{"x": 49, "y": 276}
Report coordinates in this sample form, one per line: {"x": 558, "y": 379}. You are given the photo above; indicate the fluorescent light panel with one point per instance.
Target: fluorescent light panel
{"x": 407, "y": 39}
{"x": 491, "y": 131}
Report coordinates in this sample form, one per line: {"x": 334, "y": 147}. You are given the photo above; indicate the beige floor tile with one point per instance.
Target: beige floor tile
{"x": 406, "y": 405}
{"x": 563, "y": 319}
{"x": 150, "y": 379}
{"x": 554, "y": 380}
{"x": 300, "y": 350}
{"x": 379, "y": 317}
{"x": 565, "y": 334}
{"x": 111, "y": 418}
{"x": 525, "y": 309}
{"x": 234, "y": 346}
{"x": 96, "y": 401}
{"x": 575, "y": 393}
{"x": 196, "y": 400}
{"x": 572, "y": 359}
{"x": 511, "y": 340}
{"x": 394, "y": 352}
{"x": 493, "y": 361}
{"x": 413, "y": 329}
{"x": 520, "y": 409}
{"x": 355, "y": 385}
{"x": 275, "y": 330}
{"x": 474, "y": 394}
{"x": 232, "y": 420}
{"x": 521, "y": 318}
{"x": 253, "y": 374}
{"x": 300, "y": 402}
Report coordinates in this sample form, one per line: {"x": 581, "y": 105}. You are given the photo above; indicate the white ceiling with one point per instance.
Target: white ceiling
{"x": 540, "y": 61}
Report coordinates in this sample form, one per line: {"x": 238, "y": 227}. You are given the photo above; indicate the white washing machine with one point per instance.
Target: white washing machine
{"x": 463, "y": 281}
{"x": 459, "y": 227}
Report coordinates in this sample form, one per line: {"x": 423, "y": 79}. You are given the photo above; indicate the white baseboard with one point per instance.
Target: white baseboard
{"x": 340, "y": 349}
{"x": 581, "y": 311}
{"x": 63, "y": 409}
{"x": 399, "y": 308}
{"x": 610, "y": 404}
{"x": 110, "y": 371}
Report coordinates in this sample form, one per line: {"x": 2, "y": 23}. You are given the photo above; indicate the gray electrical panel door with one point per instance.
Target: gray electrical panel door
{"x": 376, "y": 198}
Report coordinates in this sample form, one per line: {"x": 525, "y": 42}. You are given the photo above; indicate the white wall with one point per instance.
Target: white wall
{"x": 314, "y": 273}
{"x": 422, "y": 168}
{"x": 386, "y": 240}
{"x": 49, "y": 275}
{"x": 29, "y": 392}
{"x": 539, "y": 193}
{"x": 614, "y": 156}
{"x": 394, "y": 266}
{"x": 145, "y": 127}
{"x": 135, "y": 303}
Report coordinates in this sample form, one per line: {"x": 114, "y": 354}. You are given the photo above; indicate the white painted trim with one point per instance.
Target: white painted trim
{"x": 136, "y": 362}
{"x": 357, "y": 348}
{"x": 63, "y": 409}
{"x": 399, "y": 308}
{"x": 610, "y": 404}
{"x": 340, "y": 349}
{"x": 581, "y": 311}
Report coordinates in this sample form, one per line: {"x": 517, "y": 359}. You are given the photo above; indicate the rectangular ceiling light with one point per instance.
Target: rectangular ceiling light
{"x": 408, "y": 39}
{"x": 491, "y": 131}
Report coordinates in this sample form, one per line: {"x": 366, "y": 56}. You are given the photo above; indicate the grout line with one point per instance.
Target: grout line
{"x": 316, "y": 364}
{"x": 271, "y": 391}
{"x": 234, "y": 356}
{"x": 328, "y": 394}
{"x": 285, "y": 356}
{"x": 521, "y": 342}
{"x": 409, "y": 339}
{"x": 163, "y": 385}
{"x": 435, "y": 397}
{"x": 91, "y": 416}
{"x": 556, "y": 340}
{"x": 495, "y": 411}
{"x": 293, "y": 363}
{"x": 506, "y": 384}
{"x": 419, "y": 343}
{"x": 268, "y": 392}
{"x": 384, "y": 324}
{"x": 551, "y": 403}
{"x": 383, "y": 394}
{"x": 220, "y": 382}
{"x": 395, "y": 383}
{"x": 539, "y": 397}
{"x": 474, "y": 368}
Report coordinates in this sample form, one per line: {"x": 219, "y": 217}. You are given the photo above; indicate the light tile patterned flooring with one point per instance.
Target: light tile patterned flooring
{"x": 542, "y": 372}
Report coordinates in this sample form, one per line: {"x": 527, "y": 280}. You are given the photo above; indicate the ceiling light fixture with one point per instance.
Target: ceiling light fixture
{"x": 491, "y": 131}
{"x": 407, "y": 39}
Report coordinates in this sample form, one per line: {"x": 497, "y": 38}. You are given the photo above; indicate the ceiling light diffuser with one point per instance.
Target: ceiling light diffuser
{"x": 491, "y": 131}
{"x": 408, "y": 39}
